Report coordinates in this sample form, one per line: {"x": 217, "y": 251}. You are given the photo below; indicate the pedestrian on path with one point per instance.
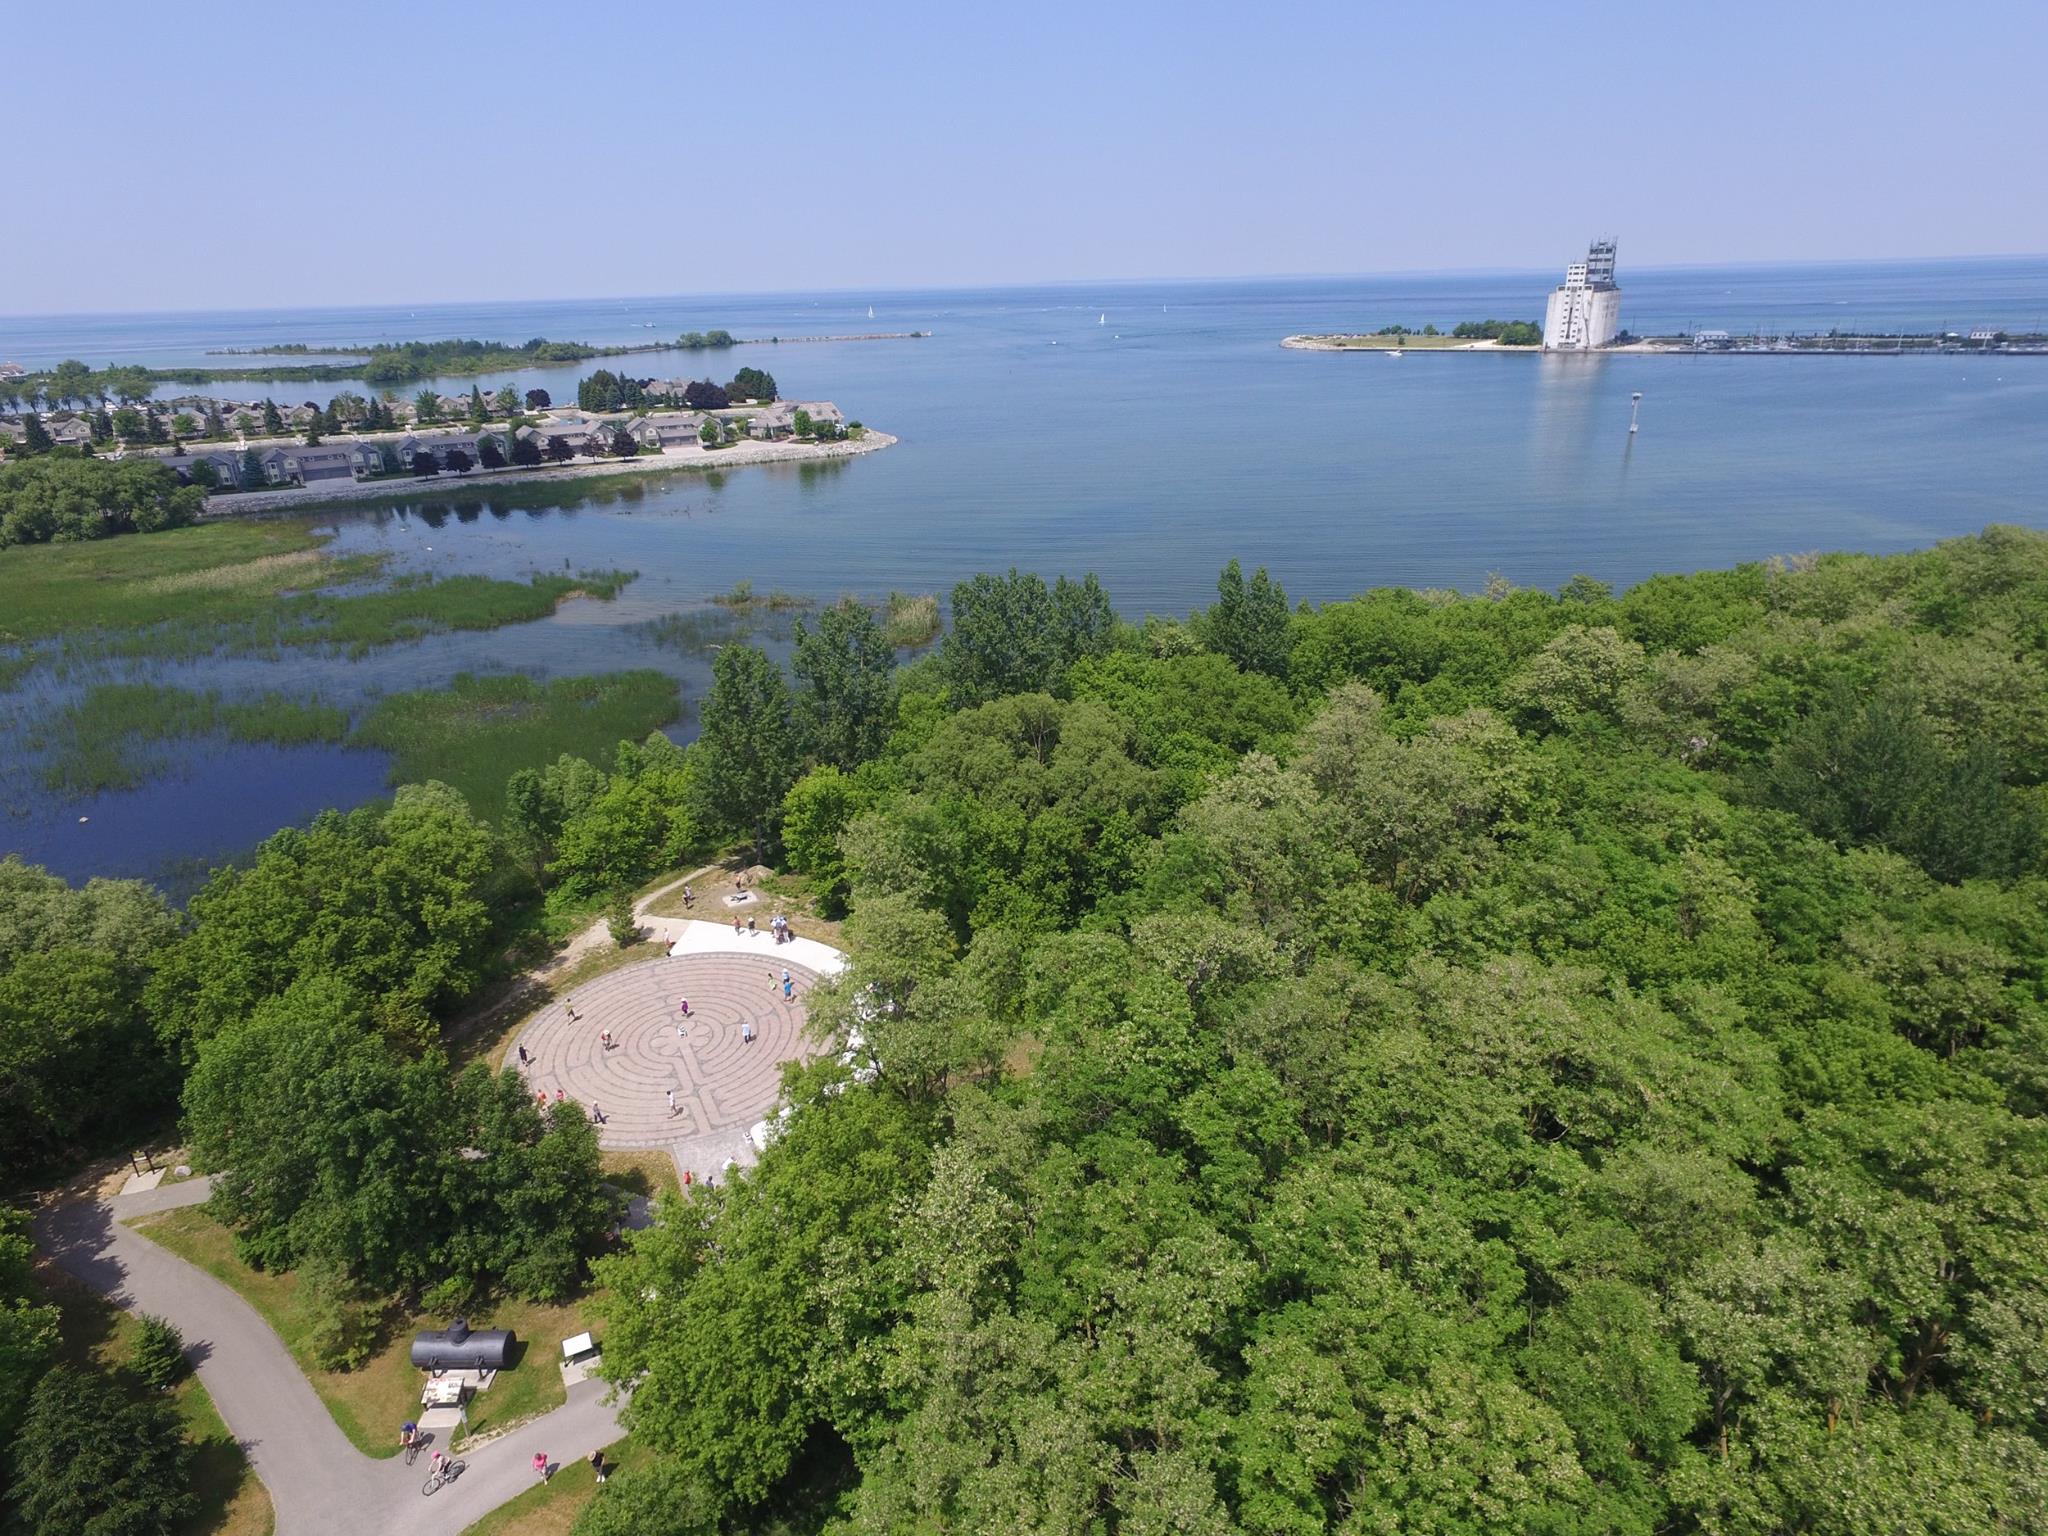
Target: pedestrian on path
{"x": 558, "y": 1095}
{"x": 689, "y": 900}
{"x": 750, "y": 926}
{"x": 788, "y": 990}
{"x": 605, "y": 1035}
{"x": 686, "y": 1007}
{"x": 747, "y": 1032}
{"x": 569, "y": 1004}
{"x": 597, "y": 1466}
{"x": 540, "y": 1464}
{"x": 735, "y": 922}
{"x": 596, "y": 1115}
{"x": 671, "y": 1103}
{"x": 522, "y": 1056}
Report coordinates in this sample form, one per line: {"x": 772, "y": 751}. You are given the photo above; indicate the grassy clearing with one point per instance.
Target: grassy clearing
{"x": 912, "y": 619}
{"x": 550, "y": 1509}
{"x": 644, "y": 1171}
{"x": 480, "y": 730}
{"x": 94, "y": 1332}
{"x": 371, "y": 1402}
{"x": 98, "y": 739}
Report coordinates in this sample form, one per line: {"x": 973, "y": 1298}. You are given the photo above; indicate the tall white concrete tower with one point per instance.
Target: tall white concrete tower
{"x": 1585, "y": 310}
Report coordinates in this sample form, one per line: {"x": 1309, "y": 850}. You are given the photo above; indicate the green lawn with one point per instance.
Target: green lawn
{"x": 551, "y": 1509}
{"x": 94, "y": 1332}
{"x": 477, "y": 732}
{"x": 645, "y": 1171}
{"x": 371, "y": 1402}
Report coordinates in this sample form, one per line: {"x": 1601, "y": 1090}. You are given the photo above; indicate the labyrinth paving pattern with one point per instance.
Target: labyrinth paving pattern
{"x": 723, "y": 1084}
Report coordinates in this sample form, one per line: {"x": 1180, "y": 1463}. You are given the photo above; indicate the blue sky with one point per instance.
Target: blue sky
{"x": 242, "y": 155}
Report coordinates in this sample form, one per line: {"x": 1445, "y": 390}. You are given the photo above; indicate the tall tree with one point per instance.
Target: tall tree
{"x": 752, "y": 384}
{"x": 1013, "y": 634}
{"x": 1249, "y": 621}
{"x": 842, "y": 671}
{"x": 746, "y": 748}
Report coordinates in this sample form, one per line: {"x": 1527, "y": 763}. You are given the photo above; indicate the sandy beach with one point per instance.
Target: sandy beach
{"x": 691, "y": 457}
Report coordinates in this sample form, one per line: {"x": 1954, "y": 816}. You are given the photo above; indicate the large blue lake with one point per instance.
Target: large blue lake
{"x": 1148, "y": 433}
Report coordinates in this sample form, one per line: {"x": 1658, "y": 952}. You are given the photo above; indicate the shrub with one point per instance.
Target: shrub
{"x": 159, "y": 1353}
{"x": 344, "y": 1330}
{"x": 625, "y": 928}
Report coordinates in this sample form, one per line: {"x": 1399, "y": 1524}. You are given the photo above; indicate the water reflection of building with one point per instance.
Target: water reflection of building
{"x": 1585, "y": 310}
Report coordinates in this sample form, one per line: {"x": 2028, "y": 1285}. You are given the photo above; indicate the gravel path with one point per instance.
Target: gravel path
{"x": 319, "y": 1483}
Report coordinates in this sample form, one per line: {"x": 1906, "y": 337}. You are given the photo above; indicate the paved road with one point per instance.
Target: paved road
{"x": 320, "y": 1484}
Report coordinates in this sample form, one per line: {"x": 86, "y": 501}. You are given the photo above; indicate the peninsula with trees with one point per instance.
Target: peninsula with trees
{"x": 1465, "y": 336}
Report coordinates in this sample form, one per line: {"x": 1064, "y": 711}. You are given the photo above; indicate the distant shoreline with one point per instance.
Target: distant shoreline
{"x": 1660, "y": 346}
{"x": 1339, "y": 342}
{"x": 312, "y": 498}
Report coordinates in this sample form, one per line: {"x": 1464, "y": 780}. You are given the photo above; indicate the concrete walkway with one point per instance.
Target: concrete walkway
{"x": 694, "y": 936}
{"x": 320, "y": 1484}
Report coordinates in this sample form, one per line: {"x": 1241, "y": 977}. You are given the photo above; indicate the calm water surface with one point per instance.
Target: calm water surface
{"x": 1149, "y": 448}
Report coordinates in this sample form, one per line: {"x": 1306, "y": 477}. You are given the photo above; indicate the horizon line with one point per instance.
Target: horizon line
{"x": 1071, "y": 282}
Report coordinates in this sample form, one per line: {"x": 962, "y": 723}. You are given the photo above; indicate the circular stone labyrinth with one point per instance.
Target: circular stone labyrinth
{"x": 723, "y": 1084}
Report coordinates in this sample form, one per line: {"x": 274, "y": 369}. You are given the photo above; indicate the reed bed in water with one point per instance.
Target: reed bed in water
{"x": 912, "y": 619}
{"x": 101, "y": 740}
{"x": 478, "y": 731}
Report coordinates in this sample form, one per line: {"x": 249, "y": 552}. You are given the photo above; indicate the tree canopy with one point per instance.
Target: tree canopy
{"x": 61, "y": 498}
{"x": 1521, "y": 1063}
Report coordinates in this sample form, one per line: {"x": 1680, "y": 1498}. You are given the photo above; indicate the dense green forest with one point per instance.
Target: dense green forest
{"x": 1517, "y": 1063}
{"x": 1502, "y": 1062}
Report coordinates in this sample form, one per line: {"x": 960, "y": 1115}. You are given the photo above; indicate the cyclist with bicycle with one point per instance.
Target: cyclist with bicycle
{"x": 408, "y": 1440}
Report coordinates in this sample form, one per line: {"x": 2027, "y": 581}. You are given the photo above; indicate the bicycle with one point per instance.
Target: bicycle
{"x": 444, "y": 1474}
{"x": 412, "y": 1446}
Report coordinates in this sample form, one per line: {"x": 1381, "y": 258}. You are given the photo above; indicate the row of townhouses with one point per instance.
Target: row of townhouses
{"x": 365, "y": 458}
